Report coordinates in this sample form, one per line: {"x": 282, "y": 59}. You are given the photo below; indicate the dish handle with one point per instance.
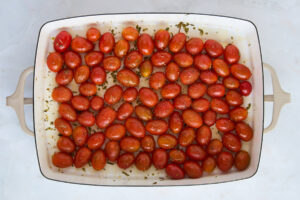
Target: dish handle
{"x": 17, "y": 100}
{"x": 279, "y": 98}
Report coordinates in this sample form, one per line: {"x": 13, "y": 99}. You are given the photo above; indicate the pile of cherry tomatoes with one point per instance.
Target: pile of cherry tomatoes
{"x": 180, "y": 122}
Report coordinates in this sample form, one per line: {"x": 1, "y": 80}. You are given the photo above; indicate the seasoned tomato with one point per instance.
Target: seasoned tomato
{"x": 93, "y": 34}
{"x": 231, "y": 82}
{"x": 160, "y": 158}
{"x": 200, "y": 105}
{"x": 64, "y": 77}
{"x": 156, "y": 127}
{"x": 65, "y": 144}
{"x": 125, "y": 160}
{"x": 240, "y": 72}
{"x": 244, "y": 131}
{"x": 61, "y": 94}
{"x": 234, "y": 98}
{"x": 231, "y": 142}
{"x": 62, "y": 160}
{"x": 172, "y": 71}
{"x": 197, "y": 90}
{"x": 130, "y": 144}
{"x": 238, "y": 114}
{"x": 62, "y": 41}
{"x": 146, "y": 68}
{"x": 170, "y": 90}
{"x": 208, "y": 77}
{"x": 213, "y": 48}
{"x": 125, "y": 111}
{"x": 225, "y": 161}
{"x": 144, "y": 113}
{"x": 224, "y": 125}
{"x": 174, "y": 171}
{"x": 189, "y": 75}
{"x": 163, "y": 109}
{"x": 177, "y": 42}
{"x": 167, "y": 141}
{"x": 216, "y": 90}
{"x": 98, "y": 75}
{"x": 183, "y": 59}
{"x": 115, "y": 132}
{"x": 245, "y": 88}
{"x": 81, "y": 74}
{"x": 145, "y": 44}
{"x": 80, "y": 102}
{"x": 161, "y": 58}
{"x": 231, "y": 54}
{"x": 95, "y": 141}
{"x": 93, "y": 58}
{"x": 157, "y": 80}
{"x": 194, "y": 46}
{"x": 121, "y": 48}
{"x": 98, "y": 159}
{"x": 111, "y": 63}
{"x": 177, "y": 156}
{"x": 209, "y": 118}
{"x": 105, "y": 117}
{"x": 175, "y": 122}
{"x": 55, "y": 61}
{"x": 112, "y": 150}
{"x": 192, "y": 169}
{"x": 192, "y": 118}
{"x": 63, "y": 126}
{"x": 182, "y": 102}
{"x": 148, "y": 143}
{"x": 82, "y": 157}
{"x": 96, "y": 103}
{"x": 204, "y": 135}
{"x": 130, "y": 33}
{"x": 130, "y": 94}
{"x": 86, "y": 118}
{"x": 221, "y": 67}
{"x": 87, "y": 89}
{"x": 219, "y": 106}
{"x": 161, "y": 39}
{"x": 133, "y": 59}
{"x": 72, "y": 59}
{"x": 209, "y": 164}
{"x": 143, "y": 161}
{"x": 113, "y": 94}
{"x": 135, "y": 127}
{"x": 187, "y": 136}
{"x": 202, "y": 62}
{"x": 107, "y": 42}
{"x": 81, "y": 45}
{"x": 195, "y": 152}
{"x": 242, "y": 160}
{"x": 67, "y": 112}
{"x": 214, "y": 147}
{"x": 148, "y": 97}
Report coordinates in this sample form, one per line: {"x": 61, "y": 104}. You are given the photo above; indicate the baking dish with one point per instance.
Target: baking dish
{"x": 242, "y": 33}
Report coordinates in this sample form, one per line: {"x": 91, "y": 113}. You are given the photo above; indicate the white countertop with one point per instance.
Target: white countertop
{"x": 278, "y": 24}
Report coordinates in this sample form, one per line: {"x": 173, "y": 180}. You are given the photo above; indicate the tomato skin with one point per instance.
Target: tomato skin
{"x": 65, "y": 144}
{"x": 93, "y": 58}
{"x": 231, "y": 82}
{"x": 72, "y": 59}
{"x": 163, "y": 109}
{"x": 183, "y": 59}
{"x": 133, "y": 59}
{"x": 98, "y": 75}
{"x": 112, "y": 150}
{"x": 62, "y": 41}
{"x": 87, "y": 89}
{"x": 62, "y": 160}
{"x": 170, "y": 90}
{"x": 157, "y": 80}
{"x": 225, "y": 125}
{"x": 130, "y": 144}
{"x": 177, "y": 42}
{"x": 161, "y": 58}
{"x": 61, "y": 94}
{"x": 208, "y": 77}
{"x": 192, "y": 118}
{"x": 240, "y": 72}
{"x": 214, "y": 147}
{"x": 244, "y": 131}
{"x": 111, "y": 63}
{"x": 209, "y": 117}
{"x": 105, "y": 117}
{"x": 125, "y": 111}
{"x": 209, "y": 164}
{"x": 234, "y": 98}
{"x": 195, "y": 152}
{"x": 121, "y": 48}
{"x": 182, "y": 102}
{"x": 160, "y": 158}
{"x": 55, "y": 61}
{"x": 156, "y": 127}
{"x": 189, "y": 75}
{"x": 242, "y": 160}
{"x": 143, "y": 113}
{"x": 115, "y": 132}
{"x": 82, "y": 157}
{"x": 216, "y": 90}
{"x": 125, "y": 160}
{"x": 225, "y": 161}
{"x": 161, "y": 39}
{"x": 81, "y": 74}
{"x": 113, "y": 94}
{"x": 130, "y": 33}
{"x": 167, "y": 141}
{"x": 107, "y": 42}
{"x": 93, "y": 34}
{"x": 213, "y": 48}
{"x": 175, "y": 122}
{"x": 67, "y": 112}
{"x": 231, "y": 142}
{"x": 81, "y": 45}
{"x": 202, "y": 62}
{"x": 231, "y": 54}
{"x": 130, "y": 94}
{"x": 96, "y": 103}
{"x": 197, "y": 90}
{"x": 143, "y": 161}
{"x": 200, "y": 105}
{"x": 63, "y": 126}
{"x": 221, "y": 67}
{"x": 238, "y": 114}
{"x": 145, "y": 44}
{"x": 148, "y": 143}
{"x": 64, "y": 77}
{"x": 135, "y": 127}
{"x": 177, "y": 156}
{"x": 95, "y": 141}
{"x": 245, "y": 88}
{"x": 219, "y": 106}
{"x": 86, "y": 118}
{"x": 98, "y": 159}
{"x": 194, "y": 46}
{"x": 172, "y": 71}
{"x": 204, "y": 135}
{"x": 146, "y": 68}
{"x": 174, "y": 171}
{"x": 192, "y": 169}
{"x": 186, "y": 136}
{"x": 80, "y": 103}
{"x": 148, "y": 97}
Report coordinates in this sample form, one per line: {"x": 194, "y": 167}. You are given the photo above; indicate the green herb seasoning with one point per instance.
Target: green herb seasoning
{"x": 138, "y": 28}
{"x": 125, "y": 173}
{"x": 167, "y": 29}
{"x": 249, "y": 106}
{"x": 154, "y": 183}
{"x": 145, "y": 29}
{"x": 201, "y": 31}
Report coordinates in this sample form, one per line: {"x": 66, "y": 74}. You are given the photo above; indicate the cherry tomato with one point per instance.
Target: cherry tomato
{"x": 115, "y": 132}
{"x": 98, "y": 75}
{"x": 130, "y": 144}
{"x": 145, "y": 44}
{"x": 183, "y": 59}
{"x": 62, "y": 160}
{"x": 111, "y": 63}
{"x": 192, "y": 118}
{"x": 177, "y": 156}
{"x": 242, "y": 160}
{"x": 213, "y": 48}
{"x": 177, "y": 42}
{"x": 160, "y": 158}
{"x": 192, "y": 169}
{"x": 182, "y": 102}
{"x": 157, "y": 80}
{"x": 214, "y": 147}
{"x": 231, "y": 82}
{"x": 195, "y": 152}
{"x": 209, "y": 117}
{"x": 67, "y": 112}
{"x": 161, "y": 58}
{"x": 148, "y": 143}
{"x": 93, "y": 34}
{"x": 125, "y": 111}
{"x": 224, "y": 125}
{"x": 87, "y": 89}
{"x": 135, "y": 127}
{"x": 172, "y": 71}
{"x": 125, "y": 160}
{"x": 163, "y": 109}
{"x": 93, "y": 58}
{"x": 81, "y": 45}
{"x": 61, "y": 94}
{"x": 234, "y": 98}
{"x": 175, "y": 122}
{"x": 219, "y": 106}
{"x": 174, "y": 171}
{"x": 133, "y": 59}
{"x": 96, "y": 103}
{"x": 82, "y": 157}
{"x": 113, "y": 94}
{"x": 143, "y": 113}
{"x": 130, "y": 33}
{"x": 200, "y": 105}
{"x": 216, "y": 90}
{"x": 240, "y": 72}
{"x": 167, "y": 141}
{"x": 112, "y": 150}
{"x": 121, "y": 48}
{"x": 62, "y": 41}
{"x": 143, "y": 161}
{"x": 238, "y": 114}
{"x": 72, "y": 59}
{"x": 231, "y": 142}
{"x": 98, "y": 159}
{"x": 80, "y": 103}
{"x": 81, "y": 74}
{"x": 107, "y": 42}
{"x": 170, "y": 90}
{"x": 156, "y": 127}
{"x": 65, "y": 144}
{"x": 148, "y": 97}
{"x": 95, "y": 141}
{"x": 209, "y": 164}
{"x": 244, "y": 131}
{"x": 208, "y": 77}
{"x": 186, "y": 137}
{"x": 189, "y": 75}
{"x": 55, "y": 61}
{"x": 64, "y": 77}
{"x": 197, "y": 90}
{"x": 130, "y": 94}
{"x": 231, "y": 54}
{"x": 86, "y": 118}
{"x": 161, "y": 39}
{"x": 225, "y": 161}
{"x": 105, "y": 117}
{"x": 221, "y": 67}
{"x": 245, "y": 88}
{"x": 63, "y": 126}
{"x": 146, "y": 68}
{"x": 202, "y": 62}
{"x": 203, "y": 135}
{"x": 194, "y": 46}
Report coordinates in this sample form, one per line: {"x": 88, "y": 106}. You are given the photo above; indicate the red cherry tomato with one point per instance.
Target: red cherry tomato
{"x": 174, "y": 171}
{"x": 231, "y": 54}
{"x": 225, "y": 161}
{"x": 93, "y": 34}
{"x": 161, "y": 39}
{"x": 98, "y": 160}
{"x": 213, "y": 48}
{"x": 194, "y": 46}
{"x": 107, "y": 42}
{"x": 245, "y": 88}
{"x": 125, "y": 160}
{"x": 160, "y": 158}
{"x": 62, "y": 41}
{"x": 62, "y": 160}
{"x": 55, "y": 61}
{"x": 192, "y": 169}
{"x": 145, "y": 44}
{"x": 130, "y": 33}
{"x": 82, "y": 157}
{"x": 81, "y": 45}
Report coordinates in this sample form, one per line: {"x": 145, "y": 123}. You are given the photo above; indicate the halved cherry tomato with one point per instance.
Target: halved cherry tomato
{"x": 80, "y": 102}
{"x": 133, "y": 59}
{"x": 65, "y": 144}
{"x": 98, "y": 159}
{"x": 130, "y": 144}
{"x": 161, "y": 58}
{"x": 81, "y": 45}
{"x": 143, "y": 161}
{"x": 202, "y": 62}
{"x": 124, "y": 111}
{"x": 224, "y": 125}
{"x": 148, "y": 97}
{"x": 96, "y": 103}
{"x": 63, "y": 126}
{"x": 186, "y": 136}
{"x": 82, "y": 157}
{"x": 203, "y": 135}
{"x": 231, "y": 54}
{"x": 67, "y": 112}
{"x": 86, "y": 118}
{"x": 125, "y": 160}
{"x": 182, "y": 102}
{"x": 145, "y": 44}
{"x": 213, "y": 48}
{"x": 225, "y": 161}
{"x": 195, "y": 152}
{"x": 209, "y": 164}
{"x": 64, "y": 77}
{"x": 192, "y": 169}
{"x": 135, "y": 127}
{"x": 111, "y": 63}
{"x": 148, "y": 143}
{"x": 209, "y": 118}
{"x": 113, "y": 94}
{"x": 200, "y": 105}
{"x": 175, "y": 122}
{"x": 245, "y": 88}
{"x": 160, "y": 158}
{"x": 189, "y": 75}
{"x": 170, "y": 90}
{"x": 197, "y": 90}
{"x": 87, "y": 89}
{"x": 192, "y": 118}
{"x": 214, "y": 147}
{"x": 244, "y": 131}
{"x": 121, "y": 48}
{"x": 72, "y": 59}
{"x": 157, "y": 80}
{"x": 163, "y": 109}
{"x": 93, "y": 58}
{"x": 61, "y": 94}
{"x": 105, "y": 117}
{"x": 115, "y": 132}
{"x": 146, "y": 68}
{"x": 81, "y": 74}
{"x": 161, "y": 39}
{"x": 240, "y": 72}
{"x": 167, "y": 141}
{"x": 93, "y": 34}
{"x": 107, "y": 42}
{"x": 98, "y": 75}
{"x": 177, "y": 42}
{"x": 156, "y": 127}
{"x": 62, "y": 160}
{"x": 130, "y": 94}
{"x": 177, "y": 156}
{"x": 242, "y": 160}
{"x": 95, "y": 141}
{"x": 130, "y": 33}
{"x": 174, "y": 171}
{"x": 55, "y": 61}
{"x": 143, "y": 113}
{"x": 62, "y": 41}
{"x": 112, "y": 150}
{"x": 172, "y": 71}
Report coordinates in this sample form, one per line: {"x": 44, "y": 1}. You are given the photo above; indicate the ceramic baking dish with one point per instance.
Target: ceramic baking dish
{"x": 242, "y": 33}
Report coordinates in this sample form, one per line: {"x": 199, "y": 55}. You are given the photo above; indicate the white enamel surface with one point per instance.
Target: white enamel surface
{"x": 227, "y": 30}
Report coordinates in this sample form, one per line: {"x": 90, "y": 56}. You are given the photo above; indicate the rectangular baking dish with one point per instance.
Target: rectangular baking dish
{"x": 242, "y": 33}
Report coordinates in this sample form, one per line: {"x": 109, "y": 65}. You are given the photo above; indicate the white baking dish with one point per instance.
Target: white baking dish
{"x": 241, "y": 32}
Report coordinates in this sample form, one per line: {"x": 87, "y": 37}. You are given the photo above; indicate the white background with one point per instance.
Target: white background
{"x": 278, "y": 24}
